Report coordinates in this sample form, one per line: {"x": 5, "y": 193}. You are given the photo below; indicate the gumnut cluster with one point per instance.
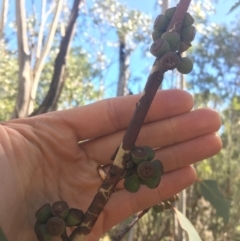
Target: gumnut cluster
{"x": 172, "y": 42}
{"x": 141, "y": 169}
{"x": 53, "y": 220}
{"x": 166, "y": 204}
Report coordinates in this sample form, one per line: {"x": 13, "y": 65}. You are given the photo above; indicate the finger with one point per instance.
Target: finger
{"x": 108, "y": 116}
{"x": 189, "y": 152}
{"x": 124, "y": 204}
{"x": 161, "y": 133}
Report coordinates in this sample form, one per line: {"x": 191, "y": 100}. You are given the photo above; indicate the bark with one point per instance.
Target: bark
{"x": 124, "y": 55}
{"x": 50, "y": 101}
{"x": 3, "y": 17}
{"x": 24, "y": 73}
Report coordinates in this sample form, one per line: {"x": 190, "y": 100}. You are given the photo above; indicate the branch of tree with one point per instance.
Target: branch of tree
{"x": 130, "y": 225}
{"x": 117, "y": 170}
{"x": 40, "y": 61}
{"x": 50, "y": 101}
{"x": 3, "y": 17}
{"x": 24, "y": 72}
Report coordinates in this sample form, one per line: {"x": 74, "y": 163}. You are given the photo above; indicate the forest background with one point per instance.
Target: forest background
{"x": 106, "y": 48}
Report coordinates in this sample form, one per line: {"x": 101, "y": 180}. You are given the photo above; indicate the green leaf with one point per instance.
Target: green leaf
{"x": 2, "y": 236}
{"x": 210, "y": 191}
{"x": 187, "y": 226}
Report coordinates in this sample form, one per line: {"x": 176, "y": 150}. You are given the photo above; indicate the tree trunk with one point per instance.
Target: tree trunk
{"x": 3, "y": 17}
{"x": 24, "y": 73}
{"x": 124, "y": 55}
{"x": 50, "y": 101}
{"x": 40, "y": 61}
{"x": 164, "y": 5}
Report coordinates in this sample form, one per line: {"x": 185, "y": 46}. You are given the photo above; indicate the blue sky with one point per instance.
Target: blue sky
{"x": 139, "y": 64}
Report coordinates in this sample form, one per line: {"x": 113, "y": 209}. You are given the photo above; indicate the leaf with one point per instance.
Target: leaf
{"x": 210, "y": 191}
{"x": 2, "y": 236}
{"x": 236, "y": 5}
{"x": 187, "y": 226}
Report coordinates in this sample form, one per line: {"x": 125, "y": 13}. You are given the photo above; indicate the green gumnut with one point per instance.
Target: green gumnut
{"x": 188, "y": 20}
{"x": 154, "y": 181}
{"x": 161, "y": 23}
{"x": 74, "y": 217}
{"x": 146, "y": 170}
{"x": 159, "y": 47}
{"x": 168, "y": 204}
{"x": 188, "y": 33}
{"x": 159, "y": 207}
{"x": 141, "y": 154}
{"x": 44, "y": 213}
{"x": 185, "y": 66}
{"x": 60, "y": 209}
{"x": 132, "y": 183}
{"x": 183, "y": 46}
{"x": 150, "y": 153}
{"x": 156, "y": 34}
{"x": 173, "y": 38}
{"x": 40, "y": 230}
{"x": 55, "y": 226}
{"x": 170, "y": 12}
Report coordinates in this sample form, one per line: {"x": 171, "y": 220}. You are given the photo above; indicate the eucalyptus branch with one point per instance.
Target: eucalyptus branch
{"x": 117, "y": 169}
{"x": 130, "y": 225}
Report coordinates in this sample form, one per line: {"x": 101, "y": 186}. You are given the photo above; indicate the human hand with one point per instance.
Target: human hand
{"x": 55, "y": 156}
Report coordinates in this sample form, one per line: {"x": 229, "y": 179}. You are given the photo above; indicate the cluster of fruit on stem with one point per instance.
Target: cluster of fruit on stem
{"x": 141, "y": 169}
{"x": 53, "y": 220}
{"x": 170, "y": 44}
{"x": 166, "y": 204}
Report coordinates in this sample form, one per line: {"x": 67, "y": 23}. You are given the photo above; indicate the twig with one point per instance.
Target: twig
{"x": 116, "y": 170}
{"x": 130, "y": 225}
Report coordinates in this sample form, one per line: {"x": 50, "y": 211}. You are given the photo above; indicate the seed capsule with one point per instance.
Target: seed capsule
{"x": 154, "y": 181}
{"x": 159, "y": 207}
{"x": 44, "y": 213}
{"x": 168, "y": 204}
{"x": 145, "y": 170}
{"x": 173, "y": 38}
{"x": 161, "y": 23}
{"x": 141, "y": 154}
{"x": 185, "y": 66}
{"x": 188, "y": 33}
{"x": 132, "y": 183}
{"x": 170, "y": 12}
{"x": 188, "y": 20}
{"x": 55, "y": 226}
{"x": 60, "y": 209}
{"x": 74, "y": 217}
{"x": 156, "y": 34}
{"x": 40, "y": 230}
{"x": 169, "y": 61}
{"x": 159, "y": 47}
{"x": 183, "y": 47}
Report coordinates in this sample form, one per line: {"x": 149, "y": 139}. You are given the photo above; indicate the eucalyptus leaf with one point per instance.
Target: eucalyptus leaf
{"x": 187, "y": 226}
{"x": 211, "y": 192}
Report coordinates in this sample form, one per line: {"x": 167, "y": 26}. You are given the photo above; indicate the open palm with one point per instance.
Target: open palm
{"x": 55, "y": 156}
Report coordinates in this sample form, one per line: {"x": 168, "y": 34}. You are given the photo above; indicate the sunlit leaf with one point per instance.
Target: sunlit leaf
{"x": 210, "y": 191}
{"x": 187, "y": 226}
